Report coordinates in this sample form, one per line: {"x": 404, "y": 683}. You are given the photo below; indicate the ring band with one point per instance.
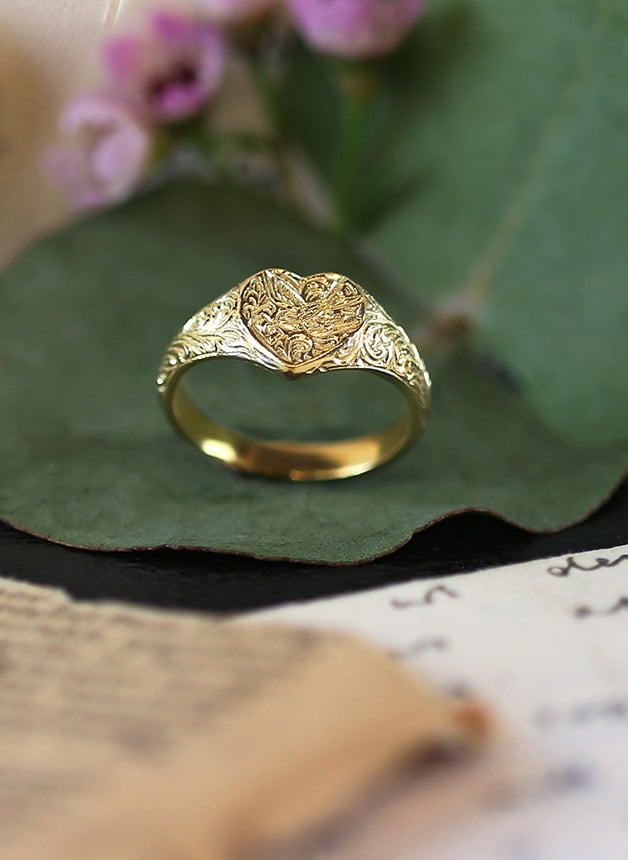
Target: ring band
{"x": 296, "y": 326}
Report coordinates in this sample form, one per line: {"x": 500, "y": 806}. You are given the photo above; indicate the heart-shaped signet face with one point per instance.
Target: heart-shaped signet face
{"x": 301, "y": 319}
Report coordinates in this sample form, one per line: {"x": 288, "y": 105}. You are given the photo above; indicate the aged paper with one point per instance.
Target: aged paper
{"x": 128, "y": 734}
{"x": 546, "y": 644}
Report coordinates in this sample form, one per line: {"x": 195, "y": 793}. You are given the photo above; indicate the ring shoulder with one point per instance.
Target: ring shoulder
{"x": 382, "y": 345}
{"x": 215, "y": 331}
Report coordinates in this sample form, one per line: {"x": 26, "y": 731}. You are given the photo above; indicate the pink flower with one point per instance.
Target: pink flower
{"x": 354, "y": 28}
{"x": 170, "y": 71}
{"x": 107, "y": 155}
{"x": 228, "y": 12}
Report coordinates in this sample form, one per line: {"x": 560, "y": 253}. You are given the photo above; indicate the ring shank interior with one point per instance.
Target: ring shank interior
{"x": 298, "y": 461}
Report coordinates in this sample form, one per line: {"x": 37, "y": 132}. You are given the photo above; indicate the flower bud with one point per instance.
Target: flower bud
{"x": 356, "y": 29}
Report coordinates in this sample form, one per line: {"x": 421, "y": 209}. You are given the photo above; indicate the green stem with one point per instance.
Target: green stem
{"x": 357, "y": 84}
{"x": 348, "y": 156}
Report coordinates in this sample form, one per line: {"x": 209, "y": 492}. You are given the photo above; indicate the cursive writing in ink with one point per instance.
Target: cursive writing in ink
{"x": 572, "y": 563}
{"x": 426, "y": 600}
{"x": 587, "y": 611}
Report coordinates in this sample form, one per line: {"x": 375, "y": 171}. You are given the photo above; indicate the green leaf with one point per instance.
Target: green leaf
{"x": 516, "y": 118}
{"x": 88, "y": 458}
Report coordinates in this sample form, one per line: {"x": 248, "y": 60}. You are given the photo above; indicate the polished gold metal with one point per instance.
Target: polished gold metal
{"x": 296, "y": 326}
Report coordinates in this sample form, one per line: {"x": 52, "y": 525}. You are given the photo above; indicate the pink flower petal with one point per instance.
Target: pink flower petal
{"x": 172, "y": 69}
{"x": 115, "y": 160}
{"x": 179, "y": 102}
{"x": 174, "y": 30}
{"x": 106, "y": 156}
{"x": 122, "y": 58}
{"x": 354, "y": 28}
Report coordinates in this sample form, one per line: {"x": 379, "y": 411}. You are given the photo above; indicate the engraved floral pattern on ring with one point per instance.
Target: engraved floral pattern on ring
{"x": 301, "y": 319}
{"x": 214, "y": 329}
{"x": 308, "y": 325}
{"x": 387, "y": 347}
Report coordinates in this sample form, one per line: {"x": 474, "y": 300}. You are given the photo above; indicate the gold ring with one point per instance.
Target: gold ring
{"x": 297, "y": 326}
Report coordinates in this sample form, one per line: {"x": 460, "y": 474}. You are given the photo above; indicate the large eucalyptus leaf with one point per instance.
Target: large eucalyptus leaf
{"x": 88, "y": 459}
{"x": 515, "y": 116}
{"x": 496, "y": 160}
